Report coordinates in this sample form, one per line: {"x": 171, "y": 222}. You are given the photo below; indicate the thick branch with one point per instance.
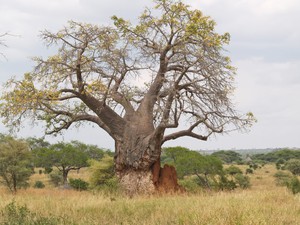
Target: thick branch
{"x": 183, "y": 133}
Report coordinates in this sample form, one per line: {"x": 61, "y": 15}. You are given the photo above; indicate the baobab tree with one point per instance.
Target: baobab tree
{"x": 136, "y": 82}
{"x": 2, "y": 42}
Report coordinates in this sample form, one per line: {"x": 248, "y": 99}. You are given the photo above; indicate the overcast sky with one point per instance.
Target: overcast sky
{"x": 265, "y": 47}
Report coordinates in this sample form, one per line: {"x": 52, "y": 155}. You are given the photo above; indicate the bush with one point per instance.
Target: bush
{"x": 249, "y": 171}
{"x": 293, "y": 165}
{"x": 190, "y": 185}
{"x": 102, "y": 170}
{"x": 242, "y": 181}
{"x": 48, "y": 170}
{"x": 14, "y": 214}
{"x": 226, "y": 184}
{"x": 282, "y": 178}
{"x": 15, "y": 163}
{"x": 233, "y": 170}
{"x": 78, "y": 184}
{"x": 56, "y": 178}
{"x": 39, "y": 184}
{"x": 294, "y": 185}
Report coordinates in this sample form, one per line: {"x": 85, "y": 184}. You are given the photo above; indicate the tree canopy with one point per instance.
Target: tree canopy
{"x": 64, "y": 156}
{"x": 15, "y": 163}
{"x": 228, "y": 156}
{"x": 95, "y": 75}
{"x": 135, "y": 81}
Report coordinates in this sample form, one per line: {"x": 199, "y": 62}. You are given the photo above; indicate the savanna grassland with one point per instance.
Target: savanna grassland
{"x": 263, "y": 203}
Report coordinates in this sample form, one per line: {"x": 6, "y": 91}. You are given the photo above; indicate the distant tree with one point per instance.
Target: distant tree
{"x": 64, "y": 156}
{"x": 280, "y": 164}
{"x": 233, "y": 170}
{"x": 283, "y": 154}
{"x": 92, "y": 151}
{"x": 15, "y": 163}
{"x": 293, "y": 165}
{"x": 228, "y": 156}
{"x": 204, "y": 167}
{"x": 170, "y": 155}
{"x": 37, "y": 143}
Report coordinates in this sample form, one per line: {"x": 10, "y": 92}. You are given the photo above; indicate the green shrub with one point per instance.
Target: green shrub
{"x": 14, "y": 214}
{"x": 102, "y": 170}
{"x": 56, "y": 178}
{"x": 242, "y": 181}
{"x": 110, "y": 186}
{"x": 48, "y": 170}
{"x": 78, "y": 184}
{"x": 249, "y": 171}
{"x": 282, "y": 178}
{"x": 294, "y": 185}
{"x": 293, "y": 165}
{"x": 190, "y": 185}
{"x": 233, "y": 170}
{"x": 39, "y": 184}
{"x": 226, "y": 184}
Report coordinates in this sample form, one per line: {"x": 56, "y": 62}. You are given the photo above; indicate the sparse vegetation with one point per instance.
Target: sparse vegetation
{"x": 78, "y": 184}
{"x": 263, "y": 203}
{"x": 39, "y": 184}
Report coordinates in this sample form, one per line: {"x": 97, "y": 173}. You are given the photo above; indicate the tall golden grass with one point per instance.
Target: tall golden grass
{"x": 263, "y": 203}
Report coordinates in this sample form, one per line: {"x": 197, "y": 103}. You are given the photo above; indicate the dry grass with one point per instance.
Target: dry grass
{"x": 264, "y": 203}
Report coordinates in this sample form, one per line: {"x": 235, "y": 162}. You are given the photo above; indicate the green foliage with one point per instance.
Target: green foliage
{"x": 249, "y": 171}
{"x": 78, "y": 184}
{"x": 56, "y": 178}
{"x": 110, "y": 186}
{"x": 253, "y": 166}
{"x": 190, "y": 184}
{"x": 294, "y": 185}
{"x": 282, "y": 178}
{"x": 233, "y": 170}
{"x": 101, "y": 171}
{"x": 48, "y": 170}
{"x": 14, "y": 214}
{"x": 283, "y": 154}
{"x": 170, "y": 155}
{"x": 92, "y": 151}
{"x": 39, "y": 184}
{"x": 189, "y": 162}
{"x": 228, "y": 156}
{"x": 293, "y": 165}
{"x": 206, "y": 171}
{"x": 280, "y": 164}
{"x": 226, "y": 184}
{"x": 15, "y": 163}
{"x": 64, "y": 156}
{"x": 37, "y": 143}
{"x": 242, "y": 181}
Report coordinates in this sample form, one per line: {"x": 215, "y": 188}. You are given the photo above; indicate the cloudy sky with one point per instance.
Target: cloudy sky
{"x": 265, "y": 47}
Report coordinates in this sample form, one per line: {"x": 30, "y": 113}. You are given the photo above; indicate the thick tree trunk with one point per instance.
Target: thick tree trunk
{"x": 155, "y": 179}
{"x": 65, "y": 173}
{"x": 137, "y": 162}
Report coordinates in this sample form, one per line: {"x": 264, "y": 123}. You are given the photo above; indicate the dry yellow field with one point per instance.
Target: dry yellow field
{"x": 263, "y": 203}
